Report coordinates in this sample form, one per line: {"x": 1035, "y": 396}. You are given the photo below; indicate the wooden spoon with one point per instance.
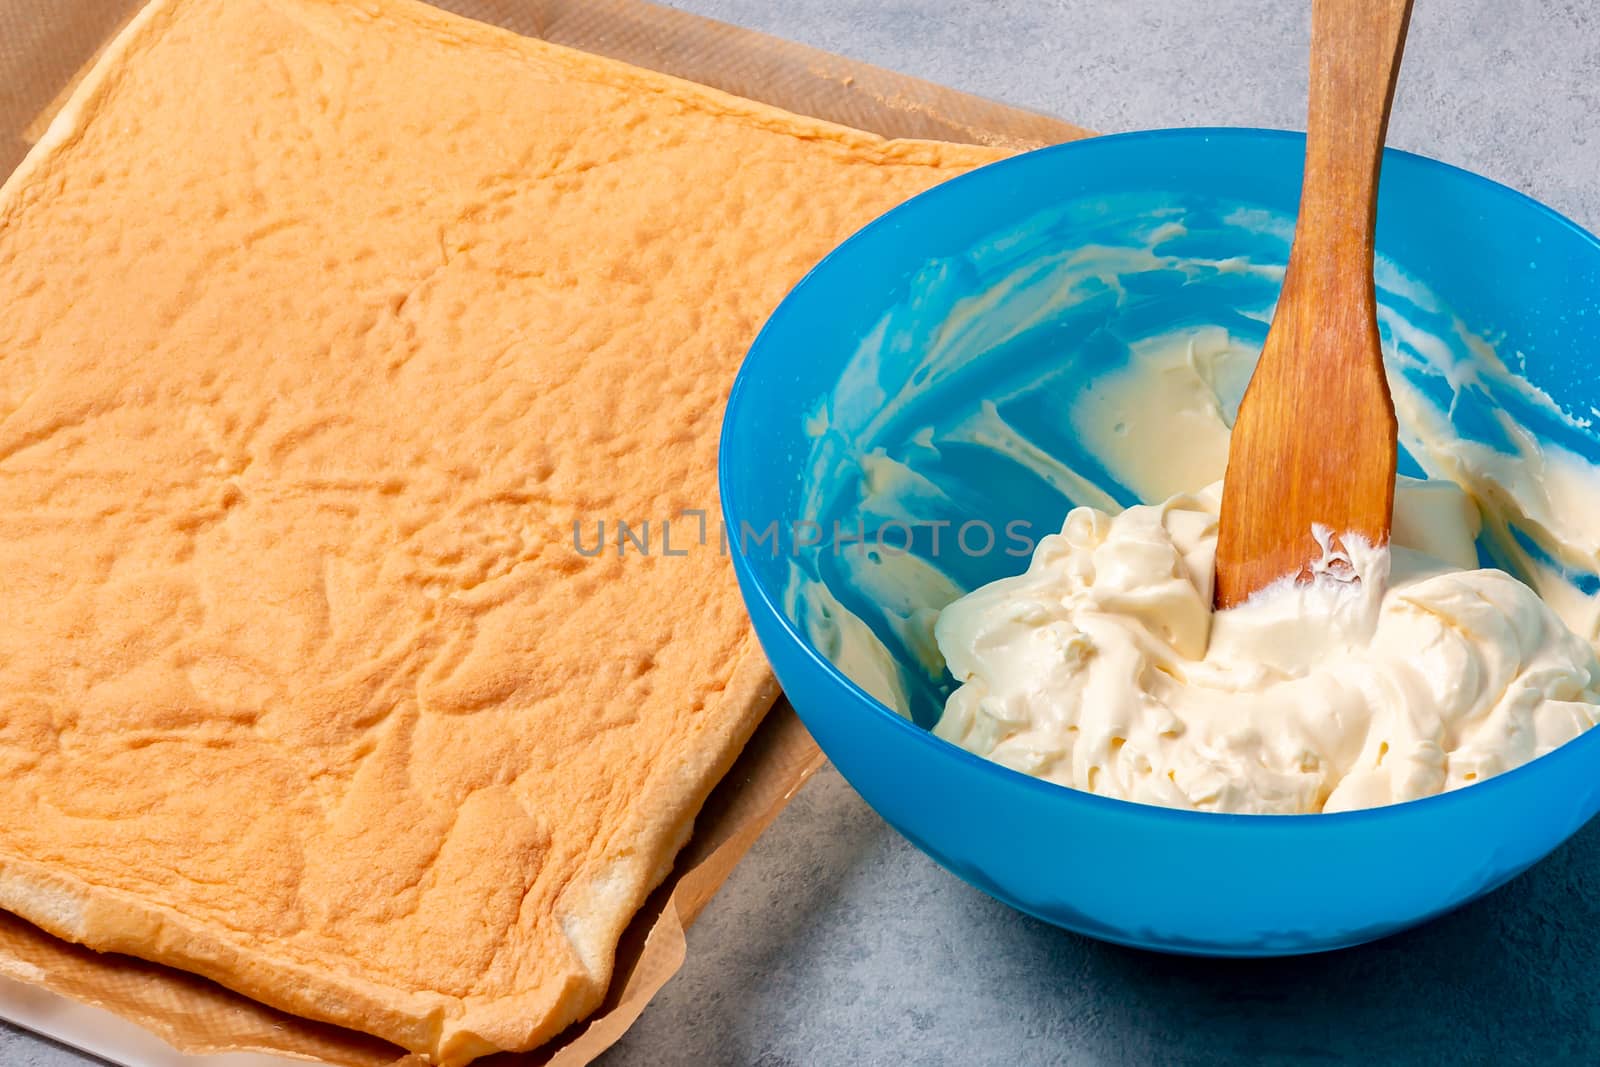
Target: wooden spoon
{"x": 1314, "y": 443}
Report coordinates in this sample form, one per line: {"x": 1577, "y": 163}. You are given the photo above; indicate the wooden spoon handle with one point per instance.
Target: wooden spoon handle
{"x": 1355, "y": 60}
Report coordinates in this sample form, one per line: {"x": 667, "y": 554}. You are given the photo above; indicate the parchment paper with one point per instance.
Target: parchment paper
{"x": 44, "y": 45}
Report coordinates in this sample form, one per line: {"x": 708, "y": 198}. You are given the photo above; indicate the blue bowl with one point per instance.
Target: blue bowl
{"x": 973, "y": 271}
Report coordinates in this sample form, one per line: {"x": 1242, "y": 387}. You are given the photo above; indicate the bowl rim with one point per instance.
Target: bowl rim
{"x": 937, "y": 747}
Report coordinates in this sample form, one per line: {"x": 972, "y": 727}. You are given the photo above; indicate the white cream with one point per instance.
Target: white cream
{"x": 1160, "y": 424}
{"x": 1103, "y": 668}
{"x": 1546, "y": 493}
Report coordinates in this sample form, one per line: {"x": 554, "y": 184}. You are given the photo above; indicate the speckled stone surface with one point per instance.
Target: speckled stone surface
{"x": 836, "y": 942}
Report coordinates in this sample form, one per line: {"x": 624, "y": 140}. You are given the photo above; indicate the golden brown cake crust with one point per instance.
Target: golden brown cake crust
{"x": 323, "y": 321}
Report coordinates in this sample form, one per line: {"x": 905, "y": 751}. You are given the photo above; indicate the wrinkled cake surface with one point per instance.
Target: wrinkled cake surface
{"x": 321, "y": 323}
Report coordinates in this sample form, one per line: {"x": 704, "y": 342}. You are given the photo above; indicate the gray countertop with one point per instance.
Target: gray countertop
{"x": 836, "y": 942}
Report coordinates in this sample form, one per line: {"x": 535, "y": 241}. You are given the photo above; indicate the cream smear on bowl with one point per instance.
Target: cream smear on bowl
{"x": 1105, "y": 376}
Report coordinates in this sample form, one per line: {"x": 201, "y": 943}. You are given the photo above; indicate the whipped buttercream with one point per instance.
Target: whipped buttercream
{"x": 1392, "y": 676}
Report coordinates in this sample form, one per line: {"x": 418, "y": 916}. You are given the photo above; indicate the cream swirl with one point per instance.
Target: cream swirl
{"x": 1103, "y": 668}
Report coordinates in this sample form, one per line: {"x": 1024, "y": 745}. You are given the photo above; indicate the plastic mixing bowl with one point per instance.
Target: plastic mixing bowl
{"x": 1053, "y": 264}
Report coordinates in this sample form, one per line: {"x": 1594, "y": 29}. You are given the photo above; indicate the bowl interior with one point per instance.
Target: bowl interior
{"x": 937, "y": 395}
